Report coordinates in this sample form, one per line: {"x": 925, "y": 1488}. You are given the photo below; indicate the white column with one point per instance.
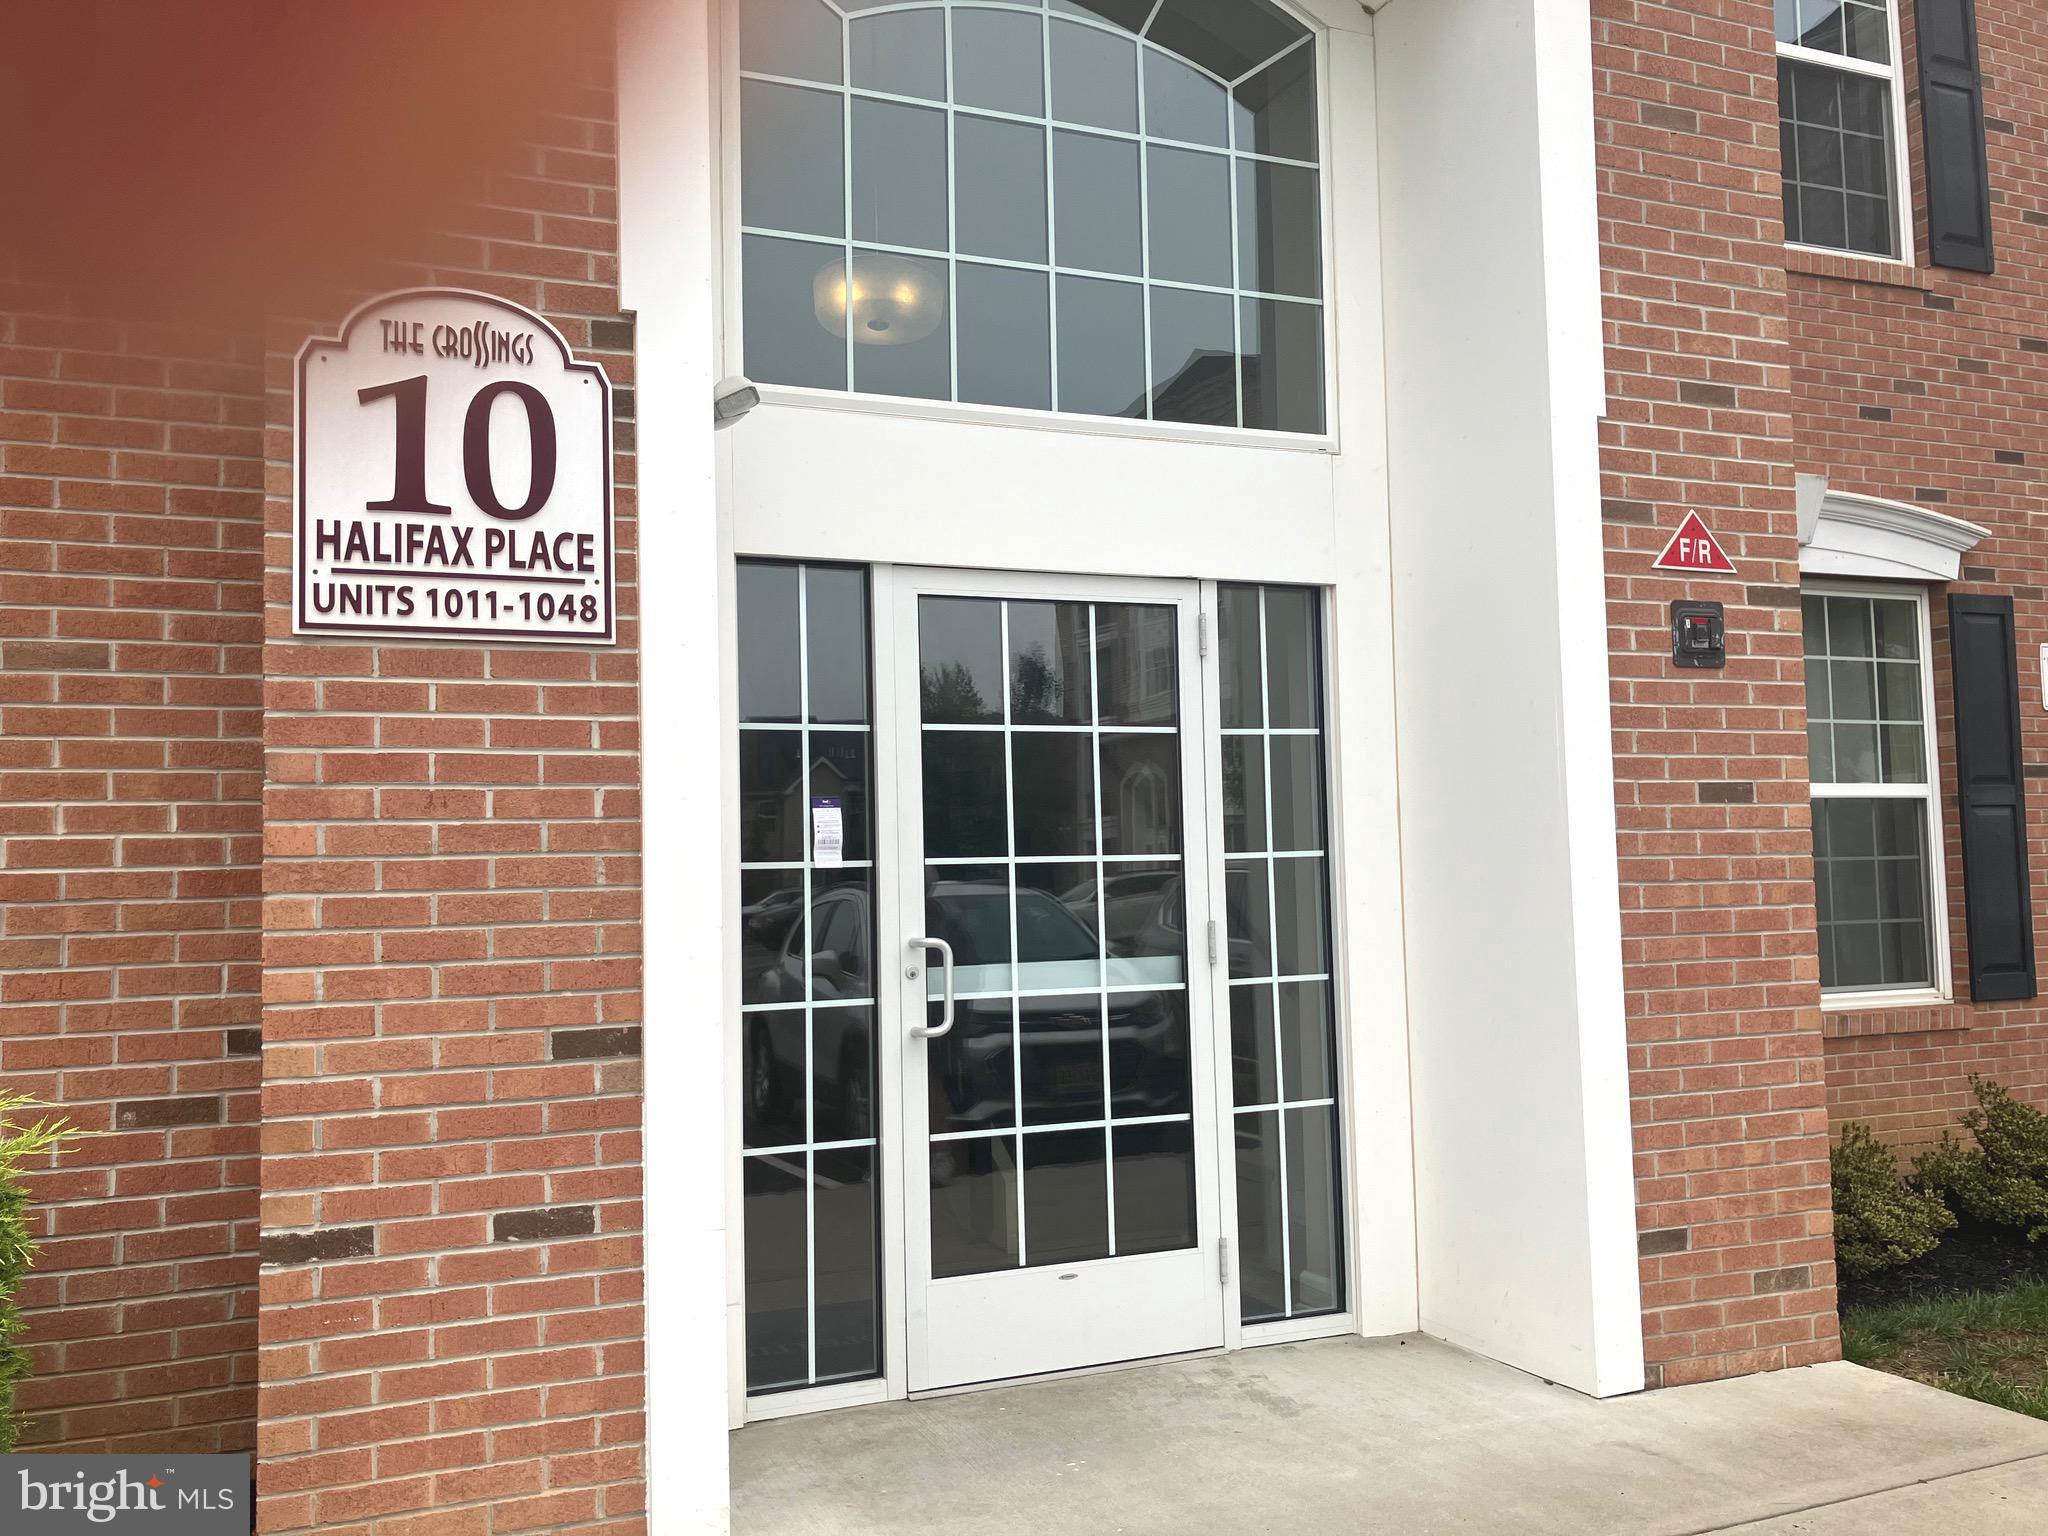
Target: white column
{"x": 668, "y": 277}
{"x": 1365, "y": 800}
{"x": 1525, "y": 1201}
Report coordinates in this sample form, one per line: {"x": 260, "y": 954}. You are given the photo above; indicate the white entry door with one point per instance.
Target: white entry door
{"x": 1058, "y": 1125}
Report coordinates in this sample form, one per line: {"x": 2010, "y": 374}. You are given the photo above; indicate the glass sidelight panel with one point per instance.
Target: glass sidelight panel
{"x": 1276, "y": 909}
{"x": 1061, "y": 1106}
{"x": 807, "y": 925}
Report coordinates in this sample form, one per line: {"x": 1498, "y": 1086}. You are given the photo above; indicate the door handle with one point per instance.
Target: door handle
{"x": 945, "y": 1024}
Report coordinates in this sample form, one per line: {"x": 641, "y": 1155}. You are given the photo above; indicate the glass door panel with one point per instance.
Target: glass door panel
{"x": 1050, "y": 743}
{"x": 1060, "y": 1107}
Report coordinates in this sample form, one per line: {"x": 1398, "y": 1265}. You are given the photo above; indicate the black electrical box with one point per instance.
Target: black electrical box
{"x": 1698, "y": 638}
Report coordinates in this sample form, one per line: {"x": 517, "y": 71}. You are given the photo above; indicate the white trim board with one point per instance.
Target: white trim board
{"x": 667, "y": 257}
{"x": 1842, "y": 533}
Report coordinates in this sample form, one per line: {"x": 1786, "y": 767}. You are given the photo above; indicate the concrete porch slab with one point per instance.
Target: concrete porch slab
{"x": 1397, "y": 1436}
{"x": 2011, "y": 1500}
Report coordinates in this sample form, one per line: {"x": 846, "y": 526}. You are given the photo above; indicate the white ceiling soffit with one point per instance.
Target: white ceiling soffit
{"x": 1340, "y": 15}
{"x": 1843, "y": 534}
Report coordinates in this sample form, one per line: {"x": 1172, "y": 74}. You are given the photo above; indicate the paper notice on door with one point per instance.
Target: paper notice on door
{"x": 828, "y": 834}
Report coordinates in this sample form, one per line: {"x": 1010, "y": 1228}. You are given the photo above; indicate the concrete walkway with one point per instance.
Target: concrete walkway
{"x": 1402, "y": 1437}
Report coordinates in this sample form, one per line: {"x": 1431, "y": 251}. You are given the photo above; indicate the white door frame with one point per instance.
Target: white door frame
{"x": 1100, "y": 1312}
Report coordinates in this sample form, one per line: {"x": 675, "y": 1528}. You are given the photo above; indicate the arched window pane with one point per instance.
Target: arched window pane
{"x": 903, "y": 345}
{"x": 1095, "y": 190}
{"x": 797, "y": 38}
{"x": 1107, "y": 207}
{"x": 1280, "y": 246}
{"x": 794, "y": 167}
{"x": 1229, "y": 38}
{"x": 1283, "y": 365}
{"x": 999, "y": 202}
{"x": 1094, "y": 77}
{"x": 1128, "y": 14}
{"x": 1189, "y": 198}
{"x": 997, "y": 63}
{"x": 1102, "y": 347}
{"x": 1276, "y": 108}
{"x": 1194, "y": 358}
{"x": 899, "y": 174}
{"x": 787, "y": 340}
{"x": 902, "y": 53}
{"x": 1183, "y": 103}
{"x": 1005, "y": 337}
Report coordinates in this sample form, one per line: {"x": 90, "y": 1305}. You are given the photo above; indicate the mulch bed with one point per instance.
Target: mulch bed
{"x": 1970, "y": 1258}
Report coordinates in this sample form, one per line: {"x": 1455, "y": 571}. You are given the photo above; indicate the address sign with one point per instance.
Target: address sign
{"x": 454, "y": 477}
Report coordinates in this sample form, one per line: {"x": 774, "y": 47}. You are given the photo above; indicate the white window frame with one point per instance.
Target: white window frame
{"x": 1893, "y": 74}
{"x": 1942, "y": 989}
{"x": 732, "y": 305}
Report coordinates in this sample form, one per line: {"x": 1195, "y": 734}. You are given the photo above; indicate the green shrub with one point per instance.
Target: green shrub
{"x": 18, "y": 1145}
{"x": 2003, "y": 1179}
{"x": 1880, "y": 1220}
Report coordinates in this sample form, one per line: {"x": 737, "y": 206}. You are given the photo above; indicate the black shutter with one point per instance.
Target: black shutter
{"x": 1952, "y": 131}
{"x": 1998, "y": 912}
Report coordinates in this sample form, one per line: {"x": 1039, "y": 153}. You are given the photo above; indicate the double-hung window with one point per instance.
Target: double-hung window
{"x": 1876, "y": 805}
{"x": 1840, "y": 126}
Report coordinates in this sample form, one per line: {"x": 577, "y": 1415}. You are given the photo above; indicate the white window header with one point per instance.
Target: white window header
{"x": 1844, "y": 534}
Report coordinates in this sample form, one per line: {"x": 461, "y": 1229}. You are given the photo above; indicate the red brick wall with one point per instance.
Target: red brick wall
{"x": 1927, "y": 387}
{"x": 130, "y": 634}
{"x": 451, "y": 1185}
{"x": 1719, "y": 948}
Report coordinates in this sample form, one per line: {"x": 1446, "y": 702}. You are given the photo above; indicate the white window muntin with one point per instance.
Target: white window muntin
{"x": 730, "y": 149}
{"x": 1941, "y": 986}
{"x": 1893, "y": 73}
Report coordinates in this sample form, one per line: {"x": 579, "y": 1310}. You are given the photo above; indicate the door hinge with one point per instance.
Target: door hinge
{"x": 1202, "y": 634}
{"x": 1223, "y": 1261}
{"x": 1212, "y": 941}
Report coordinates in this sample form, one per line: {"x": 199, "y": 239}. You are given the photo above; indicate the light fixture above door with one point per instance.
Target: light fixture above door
{"x": 896, "y": 300}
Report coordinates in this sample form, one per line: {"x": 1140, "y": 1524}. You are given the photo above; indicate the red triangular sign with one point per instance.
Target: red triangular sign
{"x": 1693, "y": 548}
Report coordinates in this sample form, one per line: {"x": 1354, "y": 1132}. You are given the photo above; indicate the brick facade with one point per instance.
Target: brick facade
{"x": 406, "y": 877}
{"x": 1925, "y": 386}
{"x": 1720, "y": 952}
{"x": 130, "y": 773}
{"x": 1734, "y": 364}
{"x": 451, "y": 1303}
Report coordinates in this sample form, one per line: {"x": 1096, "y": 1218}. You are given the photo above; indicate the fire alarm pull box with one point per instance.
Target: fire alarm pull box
{"x": 1698, "y": 637}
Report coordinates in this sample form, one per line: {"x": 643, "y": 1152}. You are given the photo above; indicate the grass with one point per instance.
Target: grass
{"x": 1992, "y": 1346}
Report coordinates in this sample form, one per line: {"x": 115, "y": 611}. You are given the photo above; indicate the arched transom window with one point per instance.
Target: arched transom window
{"x": 1109, "y": 208}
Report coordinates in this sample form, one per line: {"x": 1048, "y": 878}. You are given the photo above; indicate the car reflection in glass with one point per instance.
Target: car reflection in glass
{"x": 975, "y": 1083}
{"x": 842, "y": 1038}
